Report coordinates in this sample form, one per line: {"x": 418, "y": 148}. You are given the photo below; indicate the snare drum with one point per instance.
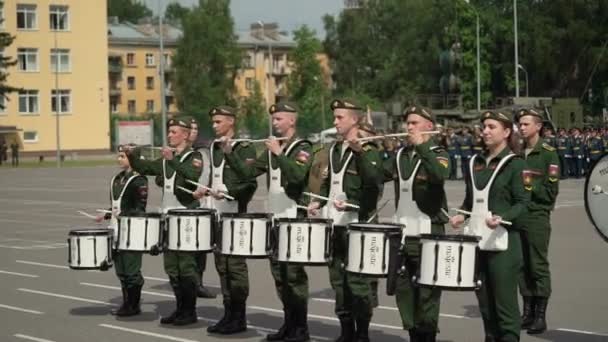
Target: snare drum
{"x": 190, "y": 230}
{"x": 368, "y": 247}
{"x": 449, "y": 262}
{"x": 302, "y": 241}
{"x": 246, "y": 235}
{"x": 139, "y": 233}
{"x": 90, "y": 249}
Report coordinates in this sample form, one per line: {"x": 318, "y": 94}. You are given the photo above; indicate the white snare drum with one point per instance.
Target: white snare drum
{"x": 190, "y": 230}
{"x": 90, "y": 249}
{"x": 368, "y": 247}
{"x": 302, "y": 241}
{"x": 246, "y": 235}
{"x": 139, "y": 233}
{"x": 449, "y": 262}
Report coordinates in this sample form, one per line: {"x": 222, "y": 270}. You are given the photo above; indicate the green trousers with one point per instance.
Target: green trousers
{"x": 234, "y": 278}
{"x": 181, "y": 265}
{"x": 535, "y": 279}
{"x": 354, "y": 293}
{"x": 497, "y": 297}
{"x": 418, "y": 306}
{"x": 291, "y": 283}
{"x": 201, "y": 265}
{"x": 128, "y": 268}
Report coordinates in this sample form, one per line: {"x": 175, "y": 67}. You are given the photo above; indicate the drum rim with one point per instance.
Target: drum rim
{"x": 376, "y": 227}
{"x": 190, "y": 212}
{"x": 246, "y": 215}
{"x": 449, "y": 288}
{"x": 143, "y": 215}
{"x": 454, "y": 237}
{"x": 585, "y": 196}
{"x": 370, "y": 275}
{"x": 91, "y": 232}
{"x": 303, "y": 220}
{"x": 78, "y": 268}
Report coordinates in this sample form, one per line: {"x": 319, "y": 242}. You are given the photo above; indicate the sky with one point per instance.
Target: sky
{"x": 290, "y": 14}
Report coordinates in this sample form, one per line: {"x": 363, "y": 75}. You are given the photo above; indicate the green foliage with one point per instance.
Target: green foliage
{"x": 128, "y": 10}
{"x": 175, "y": 13}
{"x": 206, "y": 61}
{"x": 5, "y": 61}
{"x": 254, "y": 117}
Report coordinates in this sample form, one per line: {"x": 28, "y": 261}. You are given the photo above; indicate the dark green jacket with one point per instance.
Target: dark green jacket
{"x": 508, "y": 197}
{"x": 135, "y": 197}
{"x": 240, "y": 187}
{"x": 541, "y": 176}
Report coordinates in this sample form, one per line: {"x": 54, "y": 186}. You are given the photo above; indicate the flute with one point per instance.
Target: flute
{"x": 257, "y": 140}
{"x": 393, "y": 135}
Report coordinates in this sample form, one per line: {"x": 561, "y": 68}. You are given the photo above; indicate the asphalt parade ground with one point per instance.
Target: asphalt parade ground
{"x": 41, "y": 299}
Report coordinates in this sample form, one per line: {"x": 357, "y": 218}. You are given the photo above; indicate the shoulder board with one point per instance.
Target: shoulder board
{"x": 548, "y": 147}
{"x": 437, "y": 149}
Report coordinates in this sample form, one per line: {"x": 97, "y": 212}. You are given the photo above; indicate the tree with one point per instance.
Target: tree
{"x": 206, "y": 60}
{"x": 5, "y": 61}
{"x": 306, "y": 85}
{"x": 254, "y": 115}
{"x": 128, "y": 10}
{"x": 175, "y": 13}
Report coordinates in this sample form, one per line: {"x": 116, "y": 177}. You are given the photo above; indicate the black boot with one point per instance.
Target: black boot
{"x": 362, "y": 330}
{"x": 347, "y": 327}
{"x": 125, "y": 304}
{"x": 427, "y": 336}
{"x": 202, "y": 291}
{"x": 539, "y": 325}
{"x": 238, "y": 320}
{"x": 298, "y": 329}
{"x": 178, "y": 299}
{"x": 414, "y": 335}
{"x": 188, "y": 312}
{"x": 225, "y": 318}
{"x": 527, "y": 317}
{"x": 281, "y": 334}
{"x": 489, "y": 339}
{"x": 133, "y": 297}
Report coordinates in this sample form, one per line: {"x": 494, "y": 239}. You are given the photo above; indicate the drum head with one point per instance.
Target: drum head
{"x": 151, "y": 215}
{"x": 191, "y": 212}
{"x": 454, "y": 237}
{"x": 596, "y": 196}
{"x": 380, "y": 227}
{"x": 91, "y": 231}
{"x": 303, "y": 220}
{"x": 247, "y": 215}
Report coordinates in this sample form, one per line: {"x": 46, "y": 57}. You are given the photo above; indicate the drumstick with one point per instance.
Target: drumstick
{"x": 508, "y": 223}
{"x": 377, "y": 211}
{"x": 329, "y": 199}
{"x": 208, "y": 188}
{"x": 257, "y": 140}
{"x": 104, "y": 211}
{"x": 87, "y": 215}
{"x": 445, "y": 213}
{"x": 301, "y": 207}
{"x": 185, "y": 190}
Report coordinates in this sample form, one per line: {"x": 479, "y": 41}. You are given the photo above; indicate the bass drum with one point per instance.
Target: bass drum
{"x": 596, "y": 196}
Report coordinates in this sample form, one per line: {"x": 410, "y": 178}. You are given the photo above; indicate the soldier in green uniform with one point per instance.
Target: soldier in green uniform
{"x": 496, "y": 186}
{"x": 232, "y": 270}
{"x": 422, "y": 167}
{"x": 286, "y": 164}
{"x": 355, "y": 176}
{"x": 178, "y": 164}
{"x": 129, "y": 194}
{"x": 542, "y": 175}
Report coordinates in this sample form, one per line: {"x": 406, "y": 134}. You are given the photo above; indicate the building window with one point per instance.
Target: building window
{"x": 131, "y": 82}
{"x": 247, "y": 61}
{"x": 28, "y": 101}
{"x": 2, "y": 104}
{"x": 28, "y": 59}
{"x": 1, "y": 17}
{"x": 30, "y": 136}
{"x": 26, "y": 17}
{"x": 167, "y": 60}
{"x": 150, "y": 59}
{"x": 59, "y": 18}
{"x": 64, "y": 98}
{"x": 150, "y": 82}
{"x": 113, "y": 105}
{"x": 249, "y": 83}
{"x": 150, "y": 106}
{"x": 60, "y": 60}
{"x": 131, "y": 106}
{"x": 130, "y": 59}
{"x": 168, "y": 102}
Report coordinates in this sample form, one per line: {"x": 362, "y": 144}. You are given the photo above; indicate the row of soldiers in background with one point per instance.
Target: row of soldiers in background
{"x": 578, "y": 150}
{"x": 14, "y": 153}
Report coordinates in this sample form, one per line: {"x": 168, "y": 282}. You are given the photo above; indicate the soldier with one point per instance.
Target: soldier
{"x": 3, "y": 149}
{"x": 466, "y": 151}
{"x": 353, "y": 167}
{"x": 453, "y": 151}
{"x": 564, "y": 152}
{"x": 542, "y": 171}
{"x": 595, "y": 148}
{"x": 15, "y": 154}
{"x": 286, "y": 164}
{"x": 177, "y": 165}
{"x": 577, "y": 153}
{"x": 232, "y": 270}
{"x": 549, "y": 137}
{"x": 422, "y": 167}
{"x": 477, "y": 140}
{"x": 496, "y": 183}
{"x": 129, "y": 194}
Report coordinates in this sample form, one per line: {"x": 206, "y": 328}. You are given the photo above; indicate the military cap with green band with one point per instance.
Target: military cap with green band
{"x": 418, "y": 110}
{"x": 532, "y": 112}
{"x": 498, "y": 116}
{"x": 223, "y": 110}
{"x": 344, "y": 104}
{"x": 181, "y": 122}
{"x": 283, "y": 107}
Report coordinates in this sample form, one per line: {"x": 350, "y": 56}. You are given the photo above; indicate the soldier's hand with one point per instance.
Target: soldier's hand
{"x": 355, "y": 145}
{"x": 456, "y": 221}
{"x": 218, "y": 195}
{"x": 340, "y": 205}
{"x": 226, "y": 145}
{"x": 493, "y": 221}
{"x": 272, "y": 144}
{"x": 313, "y": 208}
{"x": 99, "y": 218}
{"x": 200, "y": 193}
{"x": 167, "y": 153}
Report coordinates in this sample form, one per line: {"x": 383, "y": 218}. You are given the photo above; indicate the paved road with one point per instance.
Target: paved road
{"x": 42, "y": 300}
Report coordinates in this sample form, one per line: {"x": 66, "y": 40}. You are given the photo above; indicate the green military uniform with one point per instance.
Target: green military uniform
{"x": 361, "y": 184}
{"x": 499, "y": 270}
{"x": 542, "y": 177}
{"x": 127, "y": 264}
{"x": 181, "y": 267}
{"x": 232, "y": 270}
{"x": 419, "y": 306}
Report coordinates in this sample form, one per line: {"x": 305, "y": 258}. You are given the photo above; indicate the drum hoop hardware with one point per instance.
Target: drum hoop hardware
{"x": 288, "y": 255}
{"x": 78, "y": 243}
{"x": 251, "y": 236}
{"x": 309, "y": 239}
{"x": 179, "y": 232}
{"x": 197, "y": 234}
{"x": 146, "y": 235}
{"x": 476, "y": 270}
{"x": 128, "y": 232}
{"x": 70, "y": 251}
{"x": 109, "y": 245}
{"x": 94, "y": 251}
{"x": 384, "y": 250}
{"x": 460, "y": 249}
{"x": 118, "y": 235}
{"x": 436, "y": 261}
{"x": 362, "y": 252}
{"x": 268, "y": 234}
{"x": 231, "y": 235}
{"x": 327, "y": 242}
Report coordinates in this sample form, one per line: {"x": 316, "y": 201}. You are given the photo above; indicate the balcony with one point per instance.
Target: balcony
{"x": 115, "y": 68}
{"x": 115, "y": 91}
{"x": 280, "y": 70}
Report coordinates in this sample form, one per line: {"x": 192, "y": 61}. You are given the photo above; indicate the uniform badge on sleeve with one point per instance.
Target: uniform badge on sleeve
{"x": 302, "y": 157}
{"x": 553, "y": 172}
{"x": 249, "y": 161}
{"x": 527, "y": 178}
{"x": 197, "y": 163}
{"x": 443, "y": 161}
